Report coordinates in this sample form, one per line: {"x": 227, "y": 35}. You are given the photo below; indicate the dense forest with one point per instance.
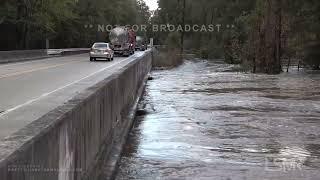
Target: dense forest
{"x": 263, "y": 33}
{"x": 26, "y": 24}
{"x": 260, "y": 34}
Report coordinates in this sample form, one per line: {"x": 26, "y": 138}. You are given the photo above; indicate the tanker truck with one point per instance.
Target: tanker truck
{"x": 122, "y": 41}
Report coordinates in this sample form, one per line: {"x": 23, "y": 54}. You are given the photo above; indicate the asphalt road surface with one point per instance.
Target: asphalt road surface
{"x": 29, "y": 90}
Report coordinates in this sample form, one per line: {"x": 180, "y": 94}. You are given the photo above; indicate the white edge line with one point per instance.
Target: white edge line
{"x": 49, "y": 93}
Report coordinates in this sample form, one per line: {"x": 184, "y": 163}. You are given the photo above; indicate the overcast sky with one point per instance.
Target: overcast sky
{"x": 153, "y": 5}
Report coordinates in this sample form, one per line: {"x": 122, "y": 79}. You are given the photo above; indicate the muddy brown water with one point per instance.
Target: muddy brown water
{"x": 205, "y": 121}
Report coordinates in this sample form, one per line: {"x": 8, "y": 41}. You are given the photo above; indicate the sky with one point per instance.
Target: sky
{"x": 153, "y": 4}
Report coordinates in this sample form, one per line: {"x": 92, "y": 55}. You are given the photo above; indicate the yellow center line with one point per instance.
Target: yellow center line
{"x": 33, "y": 70}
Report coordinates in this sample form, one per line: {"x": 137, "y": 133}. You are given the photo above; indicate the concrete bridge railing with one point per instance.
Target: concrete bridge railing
{"x": 65, "y": 143}
{"x": 25, "y": 55}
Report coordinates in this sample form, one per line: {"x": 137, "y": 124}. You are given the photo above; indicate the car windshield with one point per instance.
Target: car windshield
{"x": 100, "y": 45}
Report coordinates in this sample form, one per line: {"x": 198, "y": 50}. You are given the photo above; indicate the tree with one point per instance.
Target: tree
{"x": 268, "y": 51}
{"x": 25, "y": 24}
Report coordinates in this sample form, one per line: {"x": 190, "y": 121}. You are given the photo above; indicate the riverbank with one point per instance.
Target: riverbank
{"x": 164, "y": 58}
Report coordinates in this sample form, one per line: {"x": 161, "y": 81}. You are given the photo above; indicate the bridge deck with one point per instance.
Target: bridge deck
{"x": 31, "y": 89}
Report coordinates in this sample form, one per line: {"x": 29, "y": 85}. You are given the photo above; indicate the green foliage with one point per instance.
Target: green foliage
{"x": 204, "y": 12}
{"x": 29, "y": 22}
{"x": 246, "y": 43}
{"x": 312, "y": 55}
{"x": 173, "y": 40}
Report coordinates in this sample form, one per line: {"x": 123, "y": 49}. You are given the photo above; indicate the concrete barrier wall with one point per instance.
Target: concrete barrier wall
{"x": 72, "y": 52}
{"x": 65, "y": 52}
{"x": 65, "y": 143}
{"x": 15, "y": 56}
{"x": 25, "y": 55}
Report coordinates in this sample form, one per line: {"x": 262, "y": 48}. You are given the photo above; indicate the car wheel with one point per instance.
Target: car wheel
{"x": 91, "y": 59}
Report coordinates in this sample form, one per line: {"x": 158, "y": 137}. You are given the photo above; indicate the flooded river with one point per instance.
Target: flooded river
{"x": 206, "y": 121}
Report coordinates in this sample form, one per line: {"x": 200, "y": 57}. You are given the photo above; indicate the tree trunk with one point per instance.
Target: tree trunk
{"x": 269, "y": 50}
{"x": 289, "y": 62}
{"x": 183, "y": 24}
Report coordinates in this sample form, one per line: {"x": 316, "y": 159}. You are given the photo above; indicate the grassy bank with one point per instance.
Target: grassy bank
{"x": 164, "y": 58}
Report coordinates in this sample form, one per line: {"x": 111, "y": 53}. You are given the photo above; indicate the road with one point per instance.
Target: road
{"x": 31, "y": 89}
